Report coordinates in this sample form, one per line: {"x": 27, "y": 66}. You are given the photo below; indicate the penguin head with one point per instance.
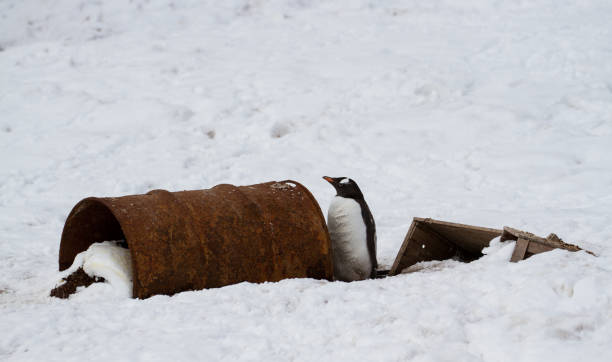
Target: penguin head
{"x": 345, "y": 187}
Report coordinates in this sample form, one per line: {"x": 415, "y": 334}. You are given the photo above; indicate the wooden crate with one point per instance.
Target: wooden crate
{"x": 429, "y": 239}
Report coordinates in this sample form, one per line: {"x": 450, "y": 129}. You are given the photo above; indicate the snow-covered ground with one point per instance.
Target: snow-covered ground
{"x": 485, "y": 112}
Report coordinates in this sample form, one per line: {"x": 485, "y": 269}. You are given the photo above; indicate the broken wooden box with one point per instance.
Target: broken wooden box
{"x": 429, "y": 239}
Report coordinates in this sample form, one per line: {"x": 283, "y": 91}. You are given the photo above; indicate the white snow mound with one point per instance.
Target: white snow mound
{"x": 109, "y": 261}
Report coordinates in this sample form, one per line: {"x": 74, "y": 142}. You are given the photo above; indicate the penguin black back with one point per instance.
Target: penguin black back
{"x": 346, "y": 187}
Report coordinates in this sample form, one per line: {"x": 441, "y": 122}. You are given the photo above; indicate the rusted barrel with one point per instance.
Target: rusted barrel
{"x": 210, "y": 238}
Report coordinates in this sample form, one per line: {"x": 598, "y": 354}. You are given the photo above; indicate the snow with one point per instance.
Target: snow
{"x": 482, "y": 112}
{"x": 107, "y": 260}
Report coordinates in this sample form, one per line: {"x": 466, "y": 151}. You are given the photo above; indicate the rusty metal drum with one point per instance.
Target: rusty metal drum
{"x": 192, "y": 240}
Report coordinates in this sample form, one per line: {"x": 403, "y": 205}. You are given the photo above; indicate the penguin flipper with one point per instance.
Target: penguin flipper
{"x": 372, "y": 251}
{"x": 371, "y": 235}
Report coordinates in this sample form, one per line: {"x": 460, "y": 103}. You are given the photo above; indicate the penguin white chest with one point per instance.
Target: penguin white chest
{"x": 349, "y": 240}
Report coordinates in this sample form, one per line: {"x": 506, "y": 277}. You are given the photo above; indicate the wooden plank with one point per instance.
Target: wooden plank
{"x": 396, "y": 268}
{"x": 539, "y": 244}
{"x": 412, "y": 253}
{"x": 431, "y": 246}
{"x": 536, "y": 248}
{"x": 421, "y": 244}
{"x": 507, "y": 235}
{"x": 426, "y": 228}
{"x": 430, "y": 221}
{"x": 468, "y": 238}
{"x": 519, "y": 250}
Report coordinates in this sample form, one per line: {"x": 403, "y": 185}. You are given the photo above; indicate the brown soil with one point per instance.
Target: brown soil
{"x": 77, "y": 279}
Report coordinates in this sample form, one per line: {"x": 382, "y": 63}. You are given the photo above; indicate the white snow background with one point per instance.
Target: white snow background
{"x": 484, "y": 112}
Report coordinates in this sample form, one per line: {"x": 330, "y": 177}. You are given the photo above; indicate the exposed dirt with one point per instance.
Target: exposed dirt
{"x": 72, "y": 282}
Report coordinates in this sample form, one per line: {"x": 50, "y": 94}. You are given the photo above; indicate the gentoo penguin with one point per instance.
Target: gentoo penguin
{"x": 352, "y": 231}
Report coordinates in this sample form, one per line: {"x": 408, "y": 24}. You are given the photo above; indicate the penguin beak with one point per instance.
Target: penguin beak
{"x": 328, "y": 179}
